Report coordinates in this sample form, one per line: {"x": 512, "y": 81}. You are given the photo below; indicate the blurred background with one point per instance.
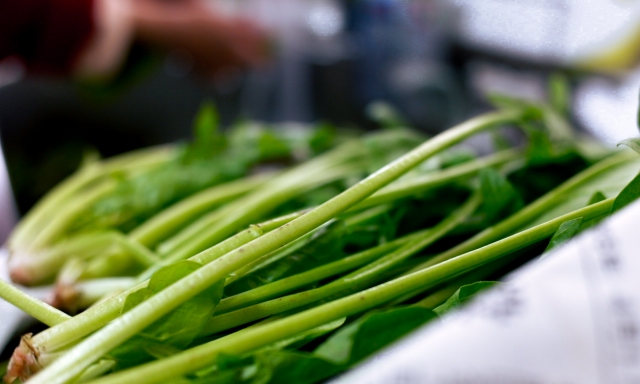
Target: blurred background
{"x": 332, "y": 61}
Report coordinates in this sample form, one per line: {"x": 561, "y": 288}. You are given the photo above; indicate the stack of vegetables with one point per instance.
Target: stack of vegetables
{"x": 288, "y": 256}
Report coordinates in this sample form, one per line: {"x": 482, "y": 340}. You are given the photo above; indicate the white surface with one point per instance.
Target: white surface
{"x": 554, "y": 31}
{"x": 572, "y": 317}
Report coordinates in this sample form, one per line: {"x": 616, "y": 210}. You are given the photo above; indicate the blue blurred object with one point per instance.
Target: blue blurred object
{"x": 403, "y": 46}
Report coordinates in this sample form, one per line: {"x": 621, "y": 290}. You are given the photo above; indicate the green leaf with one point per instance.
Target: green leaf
{"x": 596, "y": 198}
{"x": 497, "y": 193}
{"x": 324, "y": 137}
{"x": 371, "y": 333}
{"x": 628, "y": 195}
{"x": 285, "y": 367}
{"x": 462, "y": 295}
{"x": 565, "y": 232}
{"x": 205, "y": 128}
{"x": 609, "y": 183}
{"x": 559, "y": 93}
{"x": 273, "y": 365}
{"x": 327, "y": 245}
{"x": 177, "y": 329}
{"x": 633, "y": 143}
{"x": 385, "y": 115}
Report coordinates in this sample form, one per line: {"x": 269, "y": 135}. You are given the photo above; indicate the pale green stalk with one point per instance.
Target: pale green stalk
{"x": 323, "y": 169}
{"x": 134, "y": 321}
{"x": 32, "y": 306}
{"x": 527, "y": 214}
{"x": 97, "y": 316}
{"x": 290, "y": 283}
{"x": 167, "y": 221}
{"x": 41, "y": 266}
{"x": 358, "y": 278}
{"x": 404, "y": 188}
{"x": 246, "y": 340}
{"x": 49, "y": 206}
{"x": 74, "y": 209}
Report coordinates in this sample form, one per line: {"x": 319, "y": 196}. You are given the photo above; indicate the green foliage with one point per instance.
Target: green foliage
{"x": 633, "y": 143}
{"x": 385, "y": 115}
{"x": 177, "y": 329}
{"x": 498, "y": 194}
{"x": 596, "y": 198}
{"x": 346, "y": 347}
{"x": 329, "y": 244}
{"x": 370, "y": 333}
{"x": 565, "y": 232}
{"x": 559, "y": 93}
{"x": 462, "y": 295}
{"x": 628, "y": 195}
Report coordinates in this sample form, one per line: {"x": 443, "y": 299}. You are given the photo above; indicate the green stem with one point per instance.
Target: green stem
{"x": 32, "y": 306}
{"x": 422, "y": 183}
{"x": 141, "y": 253}
{"x": 134, "y": 321}
{"x": 248, "y": 339}
{"x": 49, "y": 206}
{"x": 74, "y": 209}
{"x": 97, "y": 316}
{"x": 90, "y": 291}
{"x": 288, "y": 284}
{"x": 41, "y": 266}
{"x": 358, "y": 278}
{"x": 531, "y": 211}
{"x": 212, "y": 227}
{"x": 167, "y": 221}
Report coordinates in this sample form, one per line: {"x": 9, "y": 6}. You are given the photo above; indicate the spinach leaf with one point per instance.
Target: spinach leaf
{"x": 462, "y": 295}
{"x": 497, "y": 193}
{"x": 596, "y": 198}
{"x": 633, "y": 143}
{"x": 565, "y": 232}
{"x": 628, "y": 195}
{"x": 559, "y": 93}
{"x": 177, "y": 329}
{"x": 370, "y": 333}
{"x": 609, "y": 183}
{"x": 329, "y": 244}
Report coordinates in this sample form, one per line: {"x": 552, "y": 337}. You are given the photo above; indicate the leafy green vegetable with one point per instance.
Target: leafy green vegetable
{"x": 498, "y": 194}
{"x": 372, "y": 332}
{"x": 628, "y": 195}
{"x": 462, "y": 295}
{"x": 292, "y": 281}
{"x": 177, "y": 329}
{"x": 596, "y": 198}
{"x": 559, "y": 93}
{"x": 565, "y": 232}
{"x": 633, "y": 143}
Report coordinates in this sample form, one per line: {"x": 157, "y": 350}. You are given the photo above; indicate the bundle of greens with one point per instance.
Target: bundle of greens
{"x": 297, "y": 276}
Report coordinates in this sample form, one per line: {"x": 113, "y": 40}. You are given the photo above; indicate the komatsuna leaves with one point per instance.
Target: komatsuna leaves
{"x": 628, "y": 195}
{"x": 565, "y": 232}
{"x": 273, "y": 364}
{"x": 497, "y": 193}
{"x": 371, "y": 333}
{"x": 559, "y": 93}
{"x": 596, "y": 198}
{"x": 633, "y": 143}
{"x": 175, "y": 330}
{"x": 462, "y": 295}
{"x": 608, "y": 183}
{"x": 207, "y": 140}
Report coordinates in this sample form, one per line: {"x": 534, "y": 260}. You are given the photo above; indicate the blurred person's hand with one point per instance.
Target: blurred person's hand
{"x": 215, "y": 42}
{"x": 91, "y": 38}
